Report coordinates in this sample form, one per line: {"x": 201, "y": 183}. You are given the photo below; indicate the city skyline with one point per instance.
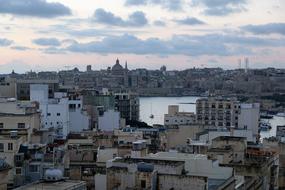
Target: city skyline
{"x": 50, "y": 35}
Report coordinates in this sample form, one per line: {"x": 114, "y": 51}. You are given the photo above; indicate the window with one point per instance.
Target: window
{"x": 48, "y": 114}
{"x": 1, "y": 147}
{"x": 143, "y": 184}
{"x": 18, "y": 157}
{"x": 21, "y": 125}
{"x": 10, "y": 146}
{"x": 72, "y": 106}
{"x": 18, "y": 171}
{"x": 1, "y": 125}
{"x": 33, "y": 168}
{"x": 79, "y": 105}
{"x": 58, "y": 114}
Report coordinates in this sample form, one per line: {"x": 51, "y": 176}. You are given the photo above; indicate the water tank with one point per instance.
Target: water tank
{"x": 53, "y": 175}
{"x": 145, "y": 167}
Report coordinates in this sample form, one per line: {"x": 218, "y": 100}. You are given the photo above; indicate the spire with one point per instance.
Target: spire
{"x": 126, "y": 65}
{"x": 117, "y": 61}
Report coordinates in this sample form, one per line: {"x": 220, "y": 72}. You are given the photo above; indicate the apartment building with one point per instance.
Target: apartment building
{"x": 18, "y": 119}
{"x": 219, "y": 112}
{"x": 63, "y": 113}
{"x": 225, "y": 113}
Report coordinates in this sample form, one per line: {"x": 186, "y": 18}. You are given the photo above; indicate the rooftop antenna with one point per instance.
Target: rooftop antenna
{"x": 246, "y": 60}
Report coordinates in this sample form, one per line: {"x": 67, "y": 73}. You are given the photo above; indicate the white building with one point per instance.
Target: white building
{"x": 109, "y": 121}
{"x": 174, "y": 117}
{"x": 248, "y": 118}
{"x": 62, "y": 113}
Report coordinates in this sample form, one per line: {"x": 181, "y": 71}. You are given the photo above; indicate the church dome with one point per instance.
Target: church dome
{"x": 117, "y": 66}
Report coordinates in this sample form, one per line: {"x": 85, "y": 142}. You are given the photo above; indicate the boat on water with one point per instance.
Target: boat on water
{"x": 265, "y": 126}
{"x": 151, "y": 115}
{"x": 281, "y": 114}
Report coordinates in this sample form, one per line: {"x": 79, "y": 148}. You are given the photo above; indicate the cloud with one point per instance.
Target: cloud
{"x": 173, "y": 5}
{"x": 159, "y": 23}
{"x": 47, "y": 42}
{"x": 191, "y": 45}
{"x": 190, "y": 21}
{"x": 221, "y": 7}
{"x": 20, "y": 48}
{"x": 33, "y": 8}
{"x": 5, "y": 42}
{"x": 270, "y": 28}
{"x": 136, "y": 19}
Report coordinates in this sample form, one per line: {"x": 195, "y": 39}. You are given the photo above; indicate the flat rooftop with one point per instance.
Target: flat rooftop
{"x": 59, "y": 185}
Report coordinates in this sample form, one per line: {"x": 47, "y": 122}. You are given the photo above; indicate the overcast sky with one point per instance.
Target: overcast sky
{"x": 61, "y": 34}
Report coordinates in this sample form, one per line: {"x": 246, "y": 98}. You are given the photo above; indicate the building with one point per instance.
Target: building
{"x": 229, "y": 115}
{"x": 255, "y": 166}
{"x": 9, "y": 147}
{"x": 174, "y": 117}
{"x": 57, "y": 185}
{"x": 4, "y": 174}
{"x": 19, "y": 119}
{"x": 275, "y": 144}
{"x": 280, "y": 132}
{"x": 218, "y": 112}
{"x": 109, "y": 120}
{"x": 63, "y": 113}
{"x": 128, "y": 106}
{"x": 248, "y": 118}
{"x": 7, "y": 87}
{"x": 168, "y": 170}
{"x": 23, "y": 87}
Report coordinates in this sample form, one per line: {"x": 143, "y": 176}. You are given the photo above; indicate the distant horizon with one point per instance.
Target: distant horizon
{"x": 83, "y": 69}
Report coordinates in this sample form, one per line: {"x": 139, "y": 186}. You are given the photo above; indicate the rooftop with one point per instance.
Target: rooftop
{"x": 59, "y": 185}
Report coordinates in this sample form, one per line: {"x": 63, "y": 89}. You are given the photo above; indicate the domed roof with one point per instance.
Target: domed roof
{"x": 117, "y": 66}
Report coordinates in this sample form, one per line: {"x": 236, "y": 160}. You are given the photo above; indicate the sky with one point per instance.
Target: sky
{"x": 54, "y": 35}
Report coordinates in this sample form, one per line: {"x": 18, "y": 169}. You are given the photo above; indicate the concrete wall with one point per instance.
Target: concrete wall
{"x": 39, "y": 93}
{"x": 249, "y": 117}
{"x": 103, "y": 155}
{"x": 100, "y": 182}
{"x": 179, "y": 136}
{"x": 4, "y": 176}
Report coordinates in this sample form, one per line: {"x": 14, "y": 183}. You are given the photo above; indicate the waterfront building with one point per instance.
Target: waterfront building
{"x": 174, "y": 117}
{"x": 229, "y": 115}
{"x": 128, "y": 106}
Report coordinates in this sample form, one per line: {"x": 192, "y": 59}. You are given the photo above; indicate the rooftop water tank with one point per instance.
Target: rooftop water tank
{"x": 145, "y": 167}
{"x": 53, "y": 175}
